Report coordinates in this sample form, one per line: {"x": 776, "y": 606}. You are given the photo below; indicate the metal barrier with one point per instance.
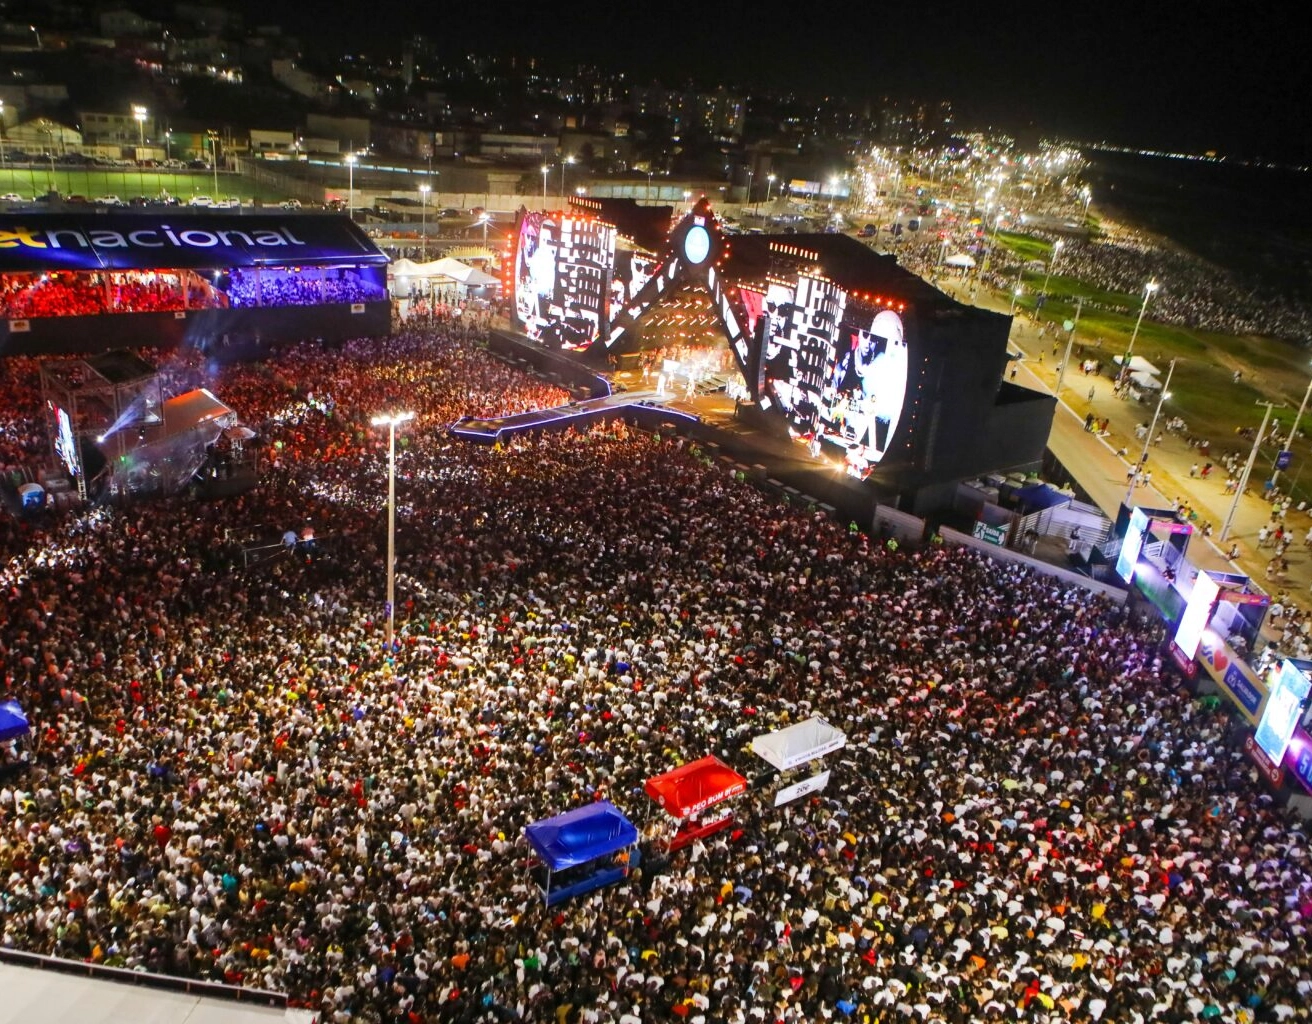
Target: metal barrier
{"x": 124, "y": 975}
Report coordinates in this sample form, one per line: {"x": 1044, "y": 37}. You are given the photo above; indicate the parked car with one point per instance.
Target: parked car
{"x": 230, "y": 203}
{"x": 867, "y": 231}
{"x": 199, "y": 165}
{"x": 107, "y": 201}
{"x": 173, "y": 164}
{"x": 291, "y": 204}
{"x": 450, "y": 211}
{"x": 11, "y": 197}
{"x": 200, "y": 201}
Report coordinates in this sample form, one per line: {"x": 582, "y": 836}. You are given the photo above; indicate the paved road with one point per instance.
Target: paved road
{"x": 1093, "y": 461}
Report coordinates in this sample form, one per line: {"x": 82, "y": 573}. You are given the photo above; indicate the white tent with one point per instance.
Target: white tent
{"x": 960, "y": 259}
{"x": 1138, "y": 364}
{"x": 1145, "y": 381}
{"x": 797, "y": 744}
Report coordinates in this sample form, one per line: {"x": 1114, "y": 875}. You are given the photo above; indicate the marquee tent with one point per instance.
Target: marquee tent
{"x": 13, "y": 723}
{"x": 960, "y": 259}
{"x": 579, "y": 837}
{"x": 797, "y": 744}
{"x": 694, "y": 787}
{"x": 1138, "y": 364}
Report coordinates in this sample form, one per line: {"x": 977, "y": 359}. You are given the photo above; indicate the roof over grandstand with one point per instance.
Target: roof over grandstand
{"x": 183, "y": 239}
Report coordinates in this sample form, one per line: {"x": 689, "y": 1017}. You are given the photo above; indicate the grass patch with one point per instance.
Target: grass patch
{"x": 1025, "y": 246}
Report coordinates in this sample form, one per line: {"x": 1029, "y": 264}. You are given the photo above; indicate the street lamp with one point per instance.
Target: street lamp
{"x": 1070, "y": 339}
{"x": 1248, "y": 469}
{"x": 139, "y": 115}
{"x": 391, "y": 423}
{"x": 545, "y": 169}
{"x": 567, "y": 160}
{"x": 1087, "y": 193}
{"x": 1148, "y": 290}
{"x": 483, "y": 219}
{"x": 423, "y": 221}
{"x": 1016, "y": 291}
{"x": 1293, "y": 433}
{"x": 213, "y": 136}
{"x": 769, "y": 184}
{"x": 751, "y": 173}
{"x": 686, "y": 195}
{"x": 1052, "y": 259}
{"x": 2, "y": 133}
{"x": 1143, "y": 457}
{"x": 350, "y": 185}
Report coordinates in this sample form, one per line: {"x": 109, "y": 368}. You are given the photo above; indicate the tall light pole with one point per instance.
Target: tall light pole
{"x": 769, "y": 184}
{"x": 1052, "y": 259}
{"x": 1016, "y": 291}
{"x": 2, "y": 133}
{"x": 213, "y": 136}
{"x": 391, "y": 422}
{"x": 545, "y": 169}
{"x": 568, "y": 160}
{"x": 1087, "y": 193}
{"x": 423, "y": 222}
{"x": 1143, "y": 457}
{"x": 483, "y": 219}
{"x": 1248, "y": 468}
{"x": 1293, "y": 433}
{"x": 1070, "y": 338}
{"x": 751, "y": 173}
{"x": 350, "y": 185}
{"x": 139, "y": 115}
{"x": 1148, "y": 290}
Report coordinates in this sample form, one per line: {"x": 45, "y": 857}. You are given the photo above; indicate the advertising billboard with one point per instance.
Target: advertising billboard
{"x": 65, "y": 442}
{"x": 1131, "y": 545}
{"x": 562, "y": 282}
{"x": 838, "y": 374}
{"x": 1289, "y": 689}
{"x": 1197, "y": 613}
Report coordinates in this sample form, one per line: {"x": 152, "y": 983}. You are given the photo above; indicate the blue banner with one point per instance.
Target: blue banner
{"x": 185, "y": 240}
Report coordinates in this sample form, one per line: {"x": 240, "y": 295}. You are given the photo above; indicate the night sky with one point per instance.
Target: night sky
{"x": 1230, "y": 77}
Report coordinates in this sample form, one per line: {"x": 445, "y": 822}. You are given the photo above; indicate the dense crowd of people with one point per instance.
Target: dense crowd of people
{"x": 1193, "y": 292}
{"x": 234, "y": 779}
{"x": 301, "y": 288}
{"x": 77, "y": 293}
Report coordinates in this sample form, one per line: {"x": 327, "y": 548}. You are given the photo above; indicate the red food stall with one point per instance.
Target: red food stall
{"x": 688, "y": 791}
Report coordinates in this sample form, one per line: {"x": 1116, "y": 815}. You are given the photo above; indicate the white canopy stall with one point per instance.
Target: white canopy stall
{"x": 795, "y": 746}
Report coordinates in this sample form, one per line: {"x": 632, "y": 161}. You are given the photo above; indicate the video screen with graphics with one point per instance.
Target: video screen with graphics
{"x": 838, "y": 375}
{"x": 563, "y": 267}
{"x": 65, "y": 442}
{"x": 633, "y": 269}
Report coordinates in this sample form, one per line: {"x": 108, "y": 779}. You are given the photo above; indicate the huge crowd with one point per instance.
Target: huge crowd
{"x": 233, "y": 778}
{"x": 1193, "y": 292}
{"x": 69, "y": 293}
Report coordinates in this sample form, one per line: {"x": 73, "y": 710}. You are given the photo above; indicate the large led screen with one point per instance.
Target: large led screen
{"x": 633, "y": 269}
{"x": 1196, "y": 614}
{"x": 563, "y": 267}
{"x": 65, "y": 442}
{"x": 1289, "y": 690}
{"x": 840, "y": 376}
{"x": 1131, "y": 545}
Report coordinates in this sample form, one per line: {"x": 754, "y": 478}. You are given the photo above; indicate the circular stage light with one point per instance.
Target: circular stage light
{"x": 696, "y": 244}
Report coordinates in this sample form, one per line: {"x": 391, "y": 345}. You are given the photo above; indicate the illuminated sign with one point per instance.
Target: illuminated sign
{"x": 696, "y": 244}
{"x": 1230, "y": 673}
{"x": 1288, "y": 691}
{"x": 65, "y": 442}
{"x": 1196, "y": 613}
{"x": 1131, "y": 545}
{"x": 34, "y": 242}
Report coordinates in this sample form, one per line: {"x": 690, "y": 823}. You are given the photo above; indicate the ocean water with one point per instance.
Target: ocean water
{"x": 1254, "y": 221}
